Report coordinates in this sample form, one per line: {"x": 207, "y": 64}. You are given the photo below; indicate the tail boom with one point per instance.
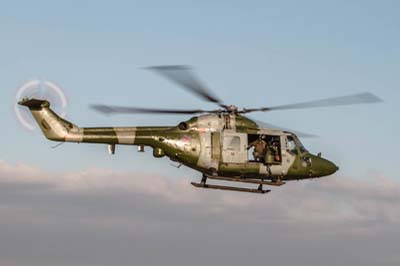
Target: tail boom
{"x": 58, "y": 129}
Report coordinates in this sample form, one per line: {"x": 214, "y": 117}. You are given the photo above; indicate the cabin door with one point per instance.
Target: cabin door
{"x": 234, "y": 147}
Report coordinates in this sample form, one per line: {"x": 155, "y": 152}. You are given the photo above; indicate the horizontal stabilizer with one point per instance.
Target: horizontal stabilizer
{"x": 34, "y": 103}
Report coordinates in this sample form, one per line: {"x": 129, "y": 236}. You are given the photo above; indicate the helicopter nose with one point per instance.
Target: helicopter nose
{"x": 323, "y": 167}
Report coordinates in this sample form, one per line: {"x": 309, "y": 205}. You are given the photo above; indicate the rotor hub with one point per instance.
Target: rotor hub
{"x": 232, "y": 108}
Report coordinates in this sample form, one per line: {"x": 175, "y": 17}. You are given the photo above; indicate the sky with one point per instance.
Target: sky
{"x": 77, "y": 205}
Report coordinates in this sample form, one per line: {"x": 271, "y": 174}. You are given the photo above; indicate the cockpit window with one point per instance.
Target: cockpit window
{"x": 291, "y": 145}
{"x": 294, "y": 145}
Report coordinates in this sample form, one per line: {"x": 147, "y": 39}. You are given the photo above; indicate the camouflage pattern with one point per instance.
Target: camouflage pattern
{"x": 215, "y": 144}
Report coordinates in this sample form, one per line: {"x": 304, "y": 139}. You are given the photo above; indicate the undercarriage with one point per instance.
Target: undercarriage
{"x": 258, "y": 190}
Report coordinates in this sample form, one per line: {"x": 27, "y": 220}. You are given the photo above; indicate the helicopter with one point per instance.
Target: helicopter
{"x": 222, "y": 144}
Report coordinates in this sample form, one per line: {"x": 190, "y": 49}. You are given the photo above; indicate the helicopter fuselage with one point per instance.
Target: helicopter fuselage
{"x": 226, "y": 144}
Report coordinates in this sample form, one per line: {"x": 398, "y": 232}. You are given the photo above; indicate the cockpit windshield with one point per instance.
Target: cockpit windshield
{"x": 301, "y": 146}
{"x": 294, "y": 145}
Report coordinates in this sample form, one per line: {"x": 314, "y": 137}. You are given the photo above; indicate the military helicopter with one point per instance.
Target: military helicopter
{"x": 223, "y": 144}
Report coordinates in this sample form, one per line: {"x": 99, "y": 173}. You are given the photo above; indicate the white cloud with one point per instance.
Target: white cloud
{"x": 331, "y": 199}
{"x": 102, "y": 213}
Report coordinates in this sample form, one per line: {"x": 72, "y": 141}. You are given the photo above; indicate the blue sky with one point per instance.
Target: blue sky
{"x": 80, "y": 206}
{"x": 252, "y": 54}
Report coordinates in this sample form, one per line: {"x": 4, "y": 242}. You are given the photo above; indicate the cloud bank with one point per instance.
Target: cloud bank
{"x": 105, "y": 217}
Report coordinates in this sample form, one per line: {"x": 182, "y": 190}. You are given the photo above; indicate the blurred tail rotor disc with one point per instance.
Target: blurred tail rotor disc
{"x": 39, "y": 89}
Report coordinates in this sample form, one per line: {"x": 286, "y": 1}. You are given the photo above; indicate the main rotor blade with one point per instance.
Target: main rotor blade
{"x": 361, "y": 98}
{"x": 298, "y": 133}
{"x": 109, "y": 110}
{"x": 183, "y": 76}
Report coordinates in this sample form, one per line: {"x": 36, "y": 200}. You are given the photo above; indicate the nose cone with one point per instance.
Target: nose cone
{"x": 323, "y": 167}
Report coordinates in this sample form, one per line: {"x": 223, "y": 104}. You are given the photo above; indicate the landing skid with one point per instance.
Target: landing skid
{"x": 240, "y": 189}
{"x": 259, "y": 190}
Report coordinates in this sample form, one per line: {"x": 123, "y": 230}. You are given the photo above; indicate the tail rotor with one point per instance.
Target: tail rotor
{"x": 39, "y": 89}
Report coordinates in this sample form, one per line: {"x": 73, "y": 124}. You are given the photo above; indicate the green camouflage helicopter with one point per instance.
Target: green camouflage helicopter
{"x": 222, "y": 144}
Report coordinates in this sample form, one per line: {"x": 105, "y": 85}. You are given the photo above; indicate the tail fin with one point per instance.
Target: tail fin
{"x": 53, "y": 127}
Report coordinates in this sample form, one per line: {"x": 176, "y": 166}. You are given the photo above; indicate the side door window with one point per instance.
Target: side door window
{"x": 233, "y": 150}
{"x": 233, "y": 143}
